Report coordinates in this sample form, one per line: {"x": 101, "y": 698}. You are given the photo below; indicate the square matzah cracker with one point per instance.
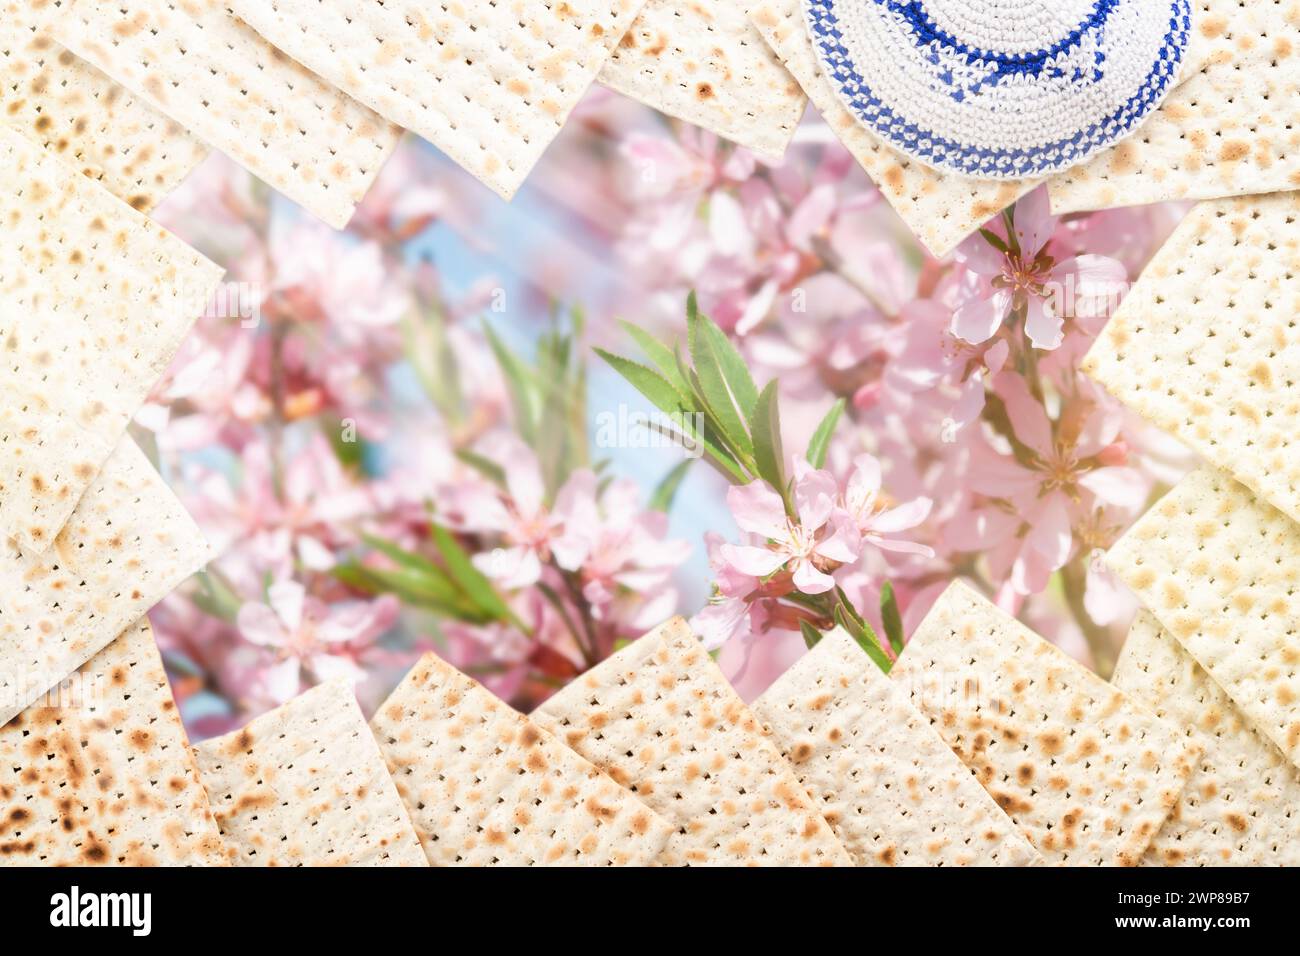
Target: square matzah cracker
{"x": 1206, "y": 345}
{"x": 1086, "y": 773}
{"x": 941, "y": 209}
{"x": 660, "y": 718}
{"x": 94, "y": 302}
{"x": 485, "y": 786}
{"x": 489, "y": 82}
{"x": 305, "y": 785}
{"x": 66, "y": 105}
{"x": 704, "y": 61}
{"x": 1228, "y": 130}
{"x": 100, "y": 772}
{"x": 126, "y": 547}
{"x": 1242, "y": 804}
{"x": 212, "y": 74}
{"x": 1217, "y": 567}
{"x": 886, "y": 782}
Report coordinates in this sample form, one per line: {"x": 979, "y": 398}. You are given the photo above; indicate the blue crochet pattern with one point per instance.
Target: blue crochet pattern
{"x": 1012, "y": 113}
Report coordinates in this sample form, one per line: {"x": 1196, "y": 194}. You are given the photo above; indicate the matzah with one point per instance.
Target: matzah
{"x": 490, "y": 82}
{"x": 1229, "y": 130}
{"x": 1087, "y": 774}
{"x": 703, "y": 61}
{"x": 1242, "y": 804}
{"x": 942, "y": 210}
{"x": 1206, "y": 346}
{"x": 305, "y": 785}
{"x": 128, "y": 545}
{"x": 485, "y": 786}
{"x": 58, "y": 100}
{"x": 196, "y": 62}
{"x": 660, "y": 718}
{"x": 890, "y": 788}
{"x": 1217, "y": 567}
{"x": 94, "y": 302}
{"x": 100, "y": 773}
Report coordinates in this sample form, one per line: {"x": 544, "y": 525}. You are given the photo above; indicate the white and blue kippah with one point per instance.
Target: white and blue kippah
{"x": 1000, "y": 89}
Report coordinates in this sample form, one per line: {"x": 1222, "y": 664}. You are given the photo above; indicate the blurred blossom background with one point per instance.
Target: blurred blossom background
{"x": 405, "y": 438}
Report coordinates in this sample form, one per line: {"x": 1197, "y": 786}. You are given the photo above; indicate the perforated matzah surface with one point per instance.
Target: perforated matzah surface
{"x": 69, "y": 107}
{"x": 305, "y": 785}
{"x": 212, "y": 74}
{"x": 1206, "y": 345}
{"x": 1228, "y": 130}
{"x": 1217, "y": 567}
{"x": 890, "y": 788}
{"x": 1242, "y": 804}
{"x": 127, "y": 545}
{"x": 941, "y": 210}
{"x": 485, "y": 786}
{"x": 660, "y": 718}
{"x": 101, "y": 773}
{"x": 94, "y": 302}
{"x": 1088, "y": 775}
{"x": 704, "y": 61}
{"x": 490, "y": 83}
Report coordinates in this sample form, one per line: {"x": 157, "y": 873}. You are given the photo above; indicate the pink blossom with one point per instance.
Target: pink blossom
{"x": 816, "y": 538}
{"x": 862, "y": 502}
{"x": 622, "y": 556}
{"x": 1053, "y": 476}
{"x": 305, "y": 634}
{"x": 1027, "y": 279}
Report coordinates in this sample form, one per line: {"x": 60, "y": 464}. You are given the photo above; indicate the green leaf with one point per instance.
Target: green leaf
{"x": 713, "y": 384}
{"x": 891, "y": 618}
{"x": 649, "y": 383}
{"x": 661, "y": 355}
{"x": 523, "y": 395}
{"x": 729, "y": 359}
{"x": 412, "y": 588}
{"x": 822, "y": 436}
{"x": 769, "y": 455}
{"x": 811, "y": 636}
{"x": 471, "y": 580}
{"x": 719, "y": 458}
{"x": 666, "y": 491}
{"x": 865, "y": 637}
{"x": 488, "y": 468}
{"x": 215, "y": 598}
{"x": 994, "y": 240}
{"x": 424, "y": 341}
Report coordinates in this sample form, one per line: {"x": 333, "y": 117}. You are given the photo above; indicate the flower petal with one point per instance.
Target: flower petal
{"x": 977, "y": 320}
{"x": 759, "y": 510}
{"x": 811, "y": 581}
{"x": 755, "y": 562}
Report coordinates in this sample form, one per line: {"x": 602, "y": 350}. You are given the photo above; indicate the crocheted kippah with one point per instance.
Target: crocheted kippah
{"x": 1000, "y": 89}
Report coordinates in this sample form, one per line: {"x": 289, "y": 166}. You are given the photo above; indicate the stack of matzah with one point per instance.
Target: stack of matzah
{"x": 1242, "y": 804}
{"x": 660, "y": 718}
{"x": 127, "y": 545}
{"x": 490, "y": 84}
{"x": 1217, "y": 567}
{"x": 485, "y": 786}
{"x": 100, "y": 773}
{"x": 1087, "y": 774}
{"x": 890, "y": 788}
{"x": 94, "y": 302}
{"x": 1227, "y": 131}
{"x": 305, "y": 785}
{"x": 703, "y": 61}
{"x": 1206, "y": 345}
{"x": 199, "y": 64}
{"x": 56, "y": 99}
